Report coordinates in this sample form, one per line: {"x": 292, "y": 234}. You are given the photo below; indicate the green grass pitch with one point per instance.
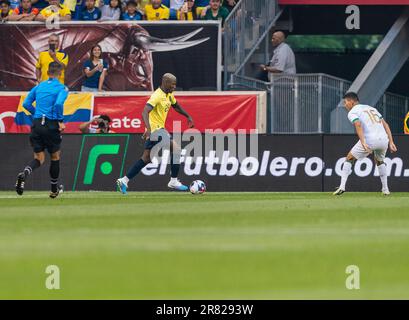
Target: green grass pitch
{"x": 160, "y": 245}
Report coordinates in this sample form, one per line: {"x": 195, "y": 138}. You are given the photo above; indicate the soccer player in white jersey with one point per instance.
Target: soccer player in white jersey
{"x": 374, "y": 137}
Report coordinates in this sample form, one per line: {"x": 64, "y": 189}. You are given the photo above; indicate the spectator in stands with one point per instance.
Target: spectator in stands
{"x": 98, "y": 124}
{"x": 215, "y": 12}
{"x": 230, "y": 4}
{"x": 188, "y": 11}
{"x": 283, "y": 60}
{"x": 142, "y": 4}
{"x": 53, "y": 54}
{"x": 132, "y": 12}
{"x": 54, "y": 9}
{"x": 90, "y": 12}
{"x": 156, "y": 11}
{"x": 95, "y": 70}
{"x": 174, "y": 7}
{"x": 200, "y": 5}
{"x": 25, "y": 12}
{"x": 14, "y": 4}
{"x": 40, "y": 4}
{"x": 112, "y": 11}
{"x": 5, "y": 10}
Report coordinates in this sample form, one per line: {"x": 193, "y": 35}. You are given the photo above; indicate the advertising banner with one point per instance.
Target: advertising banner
{"x": 137, "y": 54}
{"x": 276, "y": 163}
{"x": 227, "y": 111}
{"x": 208, "y": 112}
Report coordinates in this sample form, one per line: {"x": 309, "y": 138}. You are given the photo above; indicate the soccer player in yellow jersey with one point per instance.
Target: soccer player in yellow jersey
{"x": 154, "y": 116}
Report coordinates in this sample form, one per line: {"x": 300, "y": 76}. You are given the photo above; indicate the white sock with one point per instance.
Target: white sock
{"x": 346, "y": 171}
{"x": 173, "y": 179}
{"x": 125, "y": 179}
{"x": 384, "y": 176}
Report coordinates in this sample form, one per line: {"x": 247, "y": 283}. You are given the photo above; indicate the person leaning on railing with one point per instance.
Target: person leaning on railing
{"x": 53, "y": 10}
{"x": 24, "y": 12}
{"x": 5, "y": 10}
{"x": 215, "y": 11}
{"x": 112, "y": 11}
{"x": 187, "y": 11}
{"x": 156, "y": 11}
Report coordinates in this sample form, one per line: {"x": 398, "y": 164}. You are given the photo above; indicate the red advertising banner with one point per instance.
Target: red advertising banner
{"x": 208, "y": 112}
{"x": 237, "y": 111}
{"x": 344, "y": 2}
{"x": 8, "y": 109}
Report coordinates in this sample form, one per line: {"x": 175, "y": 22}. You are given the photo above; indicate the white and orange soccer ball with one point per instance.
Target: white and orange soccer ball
{"x": 197, "y": 187}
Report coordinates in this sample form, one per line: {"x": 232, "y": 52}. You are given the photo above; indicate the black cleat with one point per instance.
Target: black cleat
{"x": 20, "y": 183}
{"x": 54, "y": 195}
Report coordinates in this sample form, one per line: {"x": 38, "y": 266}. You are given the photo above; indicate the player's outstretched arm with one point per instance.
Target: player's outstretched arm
{"x": 360, "y": 133}
{"x": 392, "y": 145}
{"x": 180, "y": 110}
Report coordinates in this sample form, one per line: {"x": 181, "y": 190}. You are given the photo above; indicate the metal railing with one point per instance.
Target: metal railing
{"x": 303, "y": 103}
{"x": 244, "y": 29}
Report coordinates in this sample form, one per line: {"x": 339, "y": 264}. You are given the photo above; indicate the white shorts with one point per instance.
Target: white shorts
{"x": 379, "y": 150}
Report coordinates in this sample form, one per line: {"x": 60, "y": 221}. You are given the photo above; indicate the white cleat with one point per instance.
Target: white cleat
{"x": 338, "y": 192}
{"x": 122, "y": 186}
{"x": 386, "y": 192}
{"x": 177, "y": 185}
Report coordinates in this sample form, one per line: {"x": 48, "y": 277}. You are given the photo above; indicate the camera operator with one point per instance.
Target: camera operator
{"x": 98, "y": 124}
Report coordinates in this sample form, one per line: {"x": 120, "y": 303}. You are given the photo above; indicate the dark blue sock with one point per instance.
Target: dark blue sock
{"x": 136, "y": 168}
{"x": 174, "y": 167}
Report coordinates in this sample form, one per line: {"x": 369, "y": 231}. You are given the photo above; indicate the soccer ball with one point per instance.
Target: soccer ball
{"x": 197, "y": 187}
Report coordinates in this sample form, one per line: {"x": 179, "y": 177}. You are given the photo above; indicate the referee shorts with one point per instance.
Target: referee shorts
{"x": 45, "y": 136}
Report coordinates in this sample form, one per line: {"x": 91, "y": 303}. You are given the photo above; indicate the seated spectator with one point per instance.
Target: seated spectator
{"x": 98, "y": 124}
{"x": 112, "y": 11}
{"x": 156, "y": 11}
{"x": 142, "y": 4}
{"x": 5, "y": 10}
{"x": 54, "y": 9}
{"x": 14, "y": 4}
{"x": 188, "y": 11}
{"x": 230, "y": 4}
{"x": 95, "y": 70}
{"x": 132, "y": 12}
{"x": 90, "y": 12}
{"x": 174, "y": 7}
{"x": 215, "y": 11}
{"x": 40, "y": 4}
{"x": 25, "y": 12}
{"x": 200, "y": 5}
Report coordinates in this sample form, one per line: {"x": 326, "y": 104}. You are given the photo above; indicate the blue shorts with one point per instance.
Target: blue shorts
{"x": 156, "y": 137}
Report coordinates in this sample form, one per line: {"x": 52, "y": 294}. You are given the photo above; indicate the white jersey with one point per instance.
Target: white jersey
{"x": 371, "y": 122}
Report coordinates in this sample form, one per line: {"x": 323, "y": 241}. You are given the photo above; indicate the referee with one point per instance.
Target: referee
{"x": 48, "y": 115}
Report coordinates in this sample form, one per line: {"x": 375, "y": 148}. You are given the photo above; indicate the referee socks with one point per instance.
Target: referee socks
{"x": 54, "y": 173}
{"x": 34, "y": 164}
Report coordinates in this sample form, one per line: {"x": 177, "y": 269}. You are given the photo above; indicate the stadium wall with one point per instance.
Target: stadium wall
{"x": 282, "y": 163}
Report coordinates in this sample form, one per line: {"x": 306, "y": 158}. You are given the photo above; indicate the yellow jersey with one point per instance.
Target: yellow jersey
{"x": 45, "y": 59}
{"x": 162, "y": 13}
{"x": 161, "y": 103}
{"x": 406, "y": 125}
{"x": 62, "y": 11}
{"x": 189, "y": 15}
